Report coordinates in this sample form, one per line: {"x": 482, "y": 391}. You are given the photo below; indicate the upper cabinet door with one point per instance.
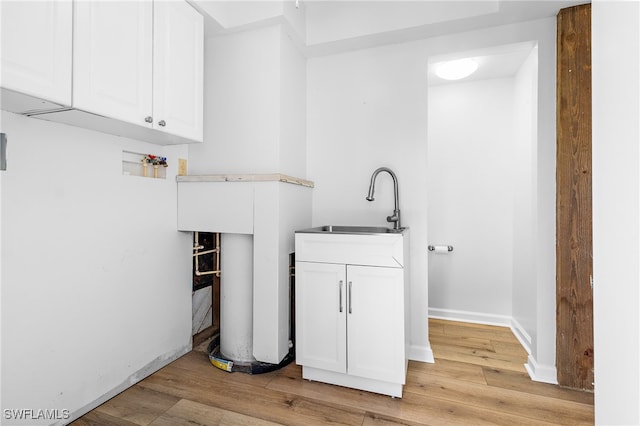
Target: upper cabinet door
{"x": 178, "y": 69}
{"x": 113, "y": 54}
{"x": 36, "y": 54}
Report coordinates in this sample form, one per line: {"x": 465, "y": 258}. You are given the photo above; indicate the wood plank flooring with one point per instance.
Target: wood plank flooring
{"x": 478, "y": 379}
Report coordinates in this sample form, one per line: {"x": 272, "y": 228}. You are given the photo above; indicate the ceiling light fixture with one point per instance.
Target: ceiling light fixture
{"x": 455, "y": 70}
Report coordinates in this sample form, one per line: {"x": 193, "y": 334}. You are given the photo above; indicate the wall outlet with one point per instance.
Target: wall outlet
{"x": 182, "y": 167}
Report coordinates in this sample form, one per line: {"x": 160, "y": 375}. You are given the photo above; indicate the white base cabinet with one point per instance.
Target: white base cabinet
{"x": 350, "y": 320}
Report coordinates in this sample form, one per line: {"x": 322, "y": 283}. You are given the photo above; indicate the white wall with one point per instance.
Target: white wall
{"x": 1, "y": 222}
{"x": 524, "y": 301}
{"x": 254, "y": 108}
{"x": 368, "y": 108}
{"x": 327, "y": 23}
{"x": 470, "y": 169}
{"x": 616, "y": 212}
{"x": 541, "y": 363}
{"x": 230, "y": 14}
{"x": 293, "y": 108}
{"x": 242, "y": 104}
{"x": 96, "y": 279}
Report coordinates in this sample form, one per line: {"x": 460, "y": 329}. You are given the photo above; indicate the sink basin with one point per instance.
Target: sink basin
{"x": 337, "y": 229}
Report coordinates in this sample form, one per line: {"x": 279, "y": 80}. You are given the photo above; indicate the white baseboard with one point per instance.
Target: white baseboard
{"x": 144, "y": 372}
{"x": 362, "y": 383}
{"x": 521, "y": 334}
{"x": 420, "y": 353}
{"x": 541, "y": 373}
{"x": 537, "y": 372}
{"x": 473, "y": 317}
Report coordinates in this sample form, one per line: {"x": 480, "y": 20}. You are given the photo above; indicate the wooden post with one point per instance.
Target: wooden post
{"x": 574, "y": 246}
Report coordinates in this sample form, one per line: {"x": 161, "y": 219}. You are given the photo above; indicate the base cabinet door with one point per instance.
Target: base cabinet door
{"x": 375, "y": 323}
{"x": 350, "y": 319}
{"x": 321, "y": 316}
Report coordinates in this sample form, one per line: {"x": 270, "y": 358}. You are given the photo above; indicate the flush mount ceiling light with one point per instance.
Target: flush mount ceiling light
{"x": 455, "y": 70}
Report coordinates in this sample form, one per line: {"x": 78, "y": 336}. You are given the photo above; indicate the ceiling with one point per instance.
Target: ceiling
{"x": 340, "y": 25}
{"x": 494, "y": 62}
{"x": 326, "y": 27}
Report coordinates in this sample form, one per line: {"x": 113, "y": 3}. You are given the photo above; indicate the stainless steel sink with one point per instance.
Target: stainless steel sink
{"x": 338, "y": 229}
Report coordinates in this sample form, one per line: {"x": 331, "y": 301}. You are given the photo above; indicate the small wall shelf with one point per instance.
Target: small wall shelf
{"x": 138, "y": 164}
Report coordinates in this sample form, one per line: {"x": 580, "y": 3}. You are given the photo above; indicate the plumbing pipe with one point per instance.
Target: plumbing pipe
{"x": 197, "y": 246}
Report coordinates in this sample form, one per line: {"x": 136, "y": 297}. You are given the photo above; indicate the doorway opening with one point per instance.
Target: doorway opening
{"x": 482, "y": 144}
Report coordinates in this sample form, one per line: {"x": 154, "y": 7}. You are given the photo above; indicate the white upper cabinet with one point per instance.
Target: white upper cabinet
{"x": 112, "y": 64}
{"x": 178, "y": 69}
{"x": 141, "y": 63}
{"x": 36, "y": 55}
{"x": 129, "y": 68}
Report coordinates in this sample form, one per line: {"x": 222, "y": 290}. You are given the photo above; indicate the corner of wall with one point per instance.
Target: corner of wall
{"x": 521, "y": 334}
{"x": 541, "y": 373}
{"x": 420, "y": 353}
{"x": 134, "y": 378}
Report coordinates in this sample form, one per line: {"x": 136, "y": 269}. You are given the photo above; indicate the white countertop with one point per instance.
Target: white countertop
{"x": 264, "y": 177}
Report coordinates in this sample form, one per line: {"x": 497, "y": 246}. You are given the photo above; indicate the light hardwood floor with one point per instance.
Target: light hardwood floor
{"x": 478, "y": 379}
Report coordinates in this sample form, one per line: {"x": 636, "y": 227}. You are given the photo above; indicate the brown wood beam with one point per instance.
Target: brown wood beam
{"x": 574, "y": 247}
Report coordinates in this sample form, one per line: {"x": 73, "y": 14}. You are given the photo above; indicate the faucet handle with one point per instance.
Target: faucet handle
{"x": 395, "y": 218}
